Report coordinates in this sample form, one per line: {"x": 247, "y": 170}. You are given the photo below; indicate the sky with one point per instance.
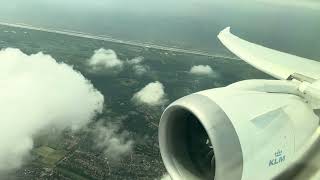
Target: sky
{"x": 287, "y": 25}
{"x": 154, "y": 5}
{"x": 144, "y": 7}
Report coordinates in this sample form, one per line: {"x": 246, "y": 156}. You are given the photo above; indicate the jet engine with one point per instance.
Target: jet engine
{"x": 252, "y": 129}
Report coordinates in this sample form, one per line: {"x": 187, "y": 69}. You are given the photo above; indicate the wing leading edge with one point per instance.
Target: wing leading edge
{"x": 275, "y": 63}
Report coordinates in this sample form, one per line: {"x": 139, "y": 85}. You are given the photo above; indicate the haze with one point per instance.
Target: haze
{"x": 283, "y": 25}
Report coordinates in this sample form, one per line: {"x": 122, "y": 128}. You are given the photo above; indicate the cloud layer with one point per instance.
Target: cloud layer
{"x": 38, "y": 94}
{"x": 201, "y": 70}
{"x": 152, "y": 94}
{"x": 112, "y": 141}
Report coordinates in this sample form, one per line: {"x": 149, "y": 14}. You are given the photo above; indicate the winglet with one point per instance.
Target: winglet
{"x": 227, "y": 30}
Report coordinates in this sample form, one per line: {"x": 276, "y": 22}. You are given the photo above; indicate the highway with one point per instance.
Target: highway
{"x": 110, "y": 39}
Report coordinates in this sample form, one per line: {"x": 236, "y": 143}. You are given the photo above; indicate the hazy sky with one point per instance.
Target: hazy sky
{"x": 287, "y": 25}
{"x": 150, "y": 5}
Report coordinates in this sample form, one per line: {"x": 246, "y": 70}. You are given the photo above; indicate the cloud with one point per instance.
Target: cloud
{"x": 140, "y": 69}
{"x": 105, "y": 61}
{"x": 136, "y": 60}
{"x": 152, "y": 94}
{"x": 202, "y": 70}
{"x": 137, "y": 66}
{"x": 38, "y": 94}
{"x": 112, "y": 141}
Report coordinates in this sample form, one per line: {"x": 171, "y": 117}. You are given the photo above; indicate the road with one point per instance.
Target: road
{"x": 110, "y": 39}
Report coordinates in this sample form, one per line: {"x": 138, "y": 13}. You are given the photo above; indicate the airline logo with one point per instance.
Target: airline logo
{"x": 279, "y": 157}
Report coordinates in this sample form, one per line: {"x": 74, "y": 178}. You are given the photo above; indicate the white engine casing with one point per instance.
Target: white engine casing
{"x": 258, "y": 128}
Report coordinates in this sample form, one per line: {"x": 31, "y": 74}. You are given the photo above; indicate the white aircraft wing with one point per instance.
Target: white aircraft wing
{"x": 275, "y": 63}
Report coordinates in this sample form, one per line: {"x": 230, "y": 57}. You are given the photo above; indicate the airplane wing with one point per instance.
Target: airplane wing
{"x": 275, "y": 63}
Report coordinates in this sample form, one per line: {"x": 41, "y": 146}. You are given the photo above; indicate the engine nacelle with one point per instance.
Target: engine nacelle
{"x": 249, "y": 130}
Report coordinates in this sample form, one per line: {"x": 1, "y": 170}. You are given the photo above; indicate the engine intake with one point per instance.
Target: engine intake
{"x": 199, "y": 144}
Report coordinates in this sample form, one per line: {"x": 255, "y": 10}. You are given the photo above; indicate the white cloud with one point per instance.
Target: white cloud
{"x": 201, "y": 70}
{"x": 152, "y": 94}
{"x": 140, "y": 69}
{"x": 136, "y": 60}
{"x": 105, "y": 60}
{"x": 38, "y": 94}
{"x": 137, "y": 66}
{"x": 115, "y": 143}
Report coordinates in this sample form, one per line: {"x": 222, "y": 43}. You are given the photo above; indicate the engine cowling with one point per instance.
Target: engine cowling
{"x": 249, "y": 130}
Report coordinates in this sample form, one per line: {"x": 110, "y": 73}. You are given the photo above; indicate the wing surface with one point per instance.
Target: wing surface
{"x": 275, "y": 63}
